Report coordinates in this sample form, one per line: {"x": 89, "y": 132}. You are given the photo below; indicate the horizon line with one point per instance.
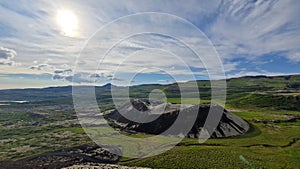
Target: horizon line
{"x": 90, "y": 85}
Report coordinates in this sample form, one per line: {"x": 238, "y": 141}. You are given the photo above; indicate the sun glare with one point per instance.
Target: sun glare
{"x": 68, "y": 22}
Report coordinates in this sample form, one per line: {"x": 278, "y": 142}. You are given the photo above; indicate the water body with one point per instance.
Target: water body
{"x": 20, "y": 101}
{"x": 7, "y": 103}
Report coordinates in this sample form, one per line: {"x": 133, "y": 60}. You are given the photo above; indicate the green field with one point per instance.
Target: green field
{"x": 270, "y": 145}
{"x": 270, "y": 104}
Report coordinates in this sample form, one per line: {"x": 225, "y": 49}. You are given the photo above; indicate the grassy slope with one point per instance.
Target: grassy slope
{"x": 270, "y": 145}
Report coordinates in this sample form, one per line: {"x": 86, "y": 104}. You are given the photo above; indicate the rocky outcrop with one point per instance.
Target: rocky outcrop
{"x": 102, "y": 166}
{"x": 66, "y": 157}
{"x": 229, "y": 125}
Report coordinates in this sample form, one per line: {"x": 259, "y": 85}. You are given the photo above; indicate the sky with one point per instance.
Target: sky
{"x": 64, "y": 42}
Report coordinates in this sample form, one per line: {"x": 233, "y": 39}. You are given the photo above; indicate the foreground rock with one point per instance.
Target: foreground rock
{"x": 64, "y": 158}
{"x": 229, "y": 125}
{"x": 101, "y": 166}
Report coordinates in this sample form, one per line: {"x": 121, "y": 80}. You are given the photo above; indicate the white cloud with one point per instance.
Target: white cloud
{"x": 295, "y": 56}
{"x": 244, "y": 28}
{"x": 6, "y": 53}
{"x": 255, "y": 73}
{"x": 238, "y": 29}
{"x": 6, "y": 56}
{"x": 42, "y": 67}
{"x": 69, "y": 75}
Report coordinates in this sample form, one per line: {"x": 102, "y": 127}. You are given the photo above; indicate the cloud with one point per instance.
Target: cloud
{"x": 6, "y": 56}
{"x": 82, "y": 77}
{"x": 117, "y": 79}
{"x": 6, "y": 53}
{"x": 166, "y": 81}
{"x": 66, "y": 74}
{"x": 295, "y": 56}
{"x": 97, "y": 76}
{"x": 241, "y": 31}
{"x": 79, "y": 78}
{"x": 255, "y": 73}
{"x": 151, "y": 53}
{"x": 252, "y": 29}
{"x": 6, "y": 63}
{"x": 42, "y": 67}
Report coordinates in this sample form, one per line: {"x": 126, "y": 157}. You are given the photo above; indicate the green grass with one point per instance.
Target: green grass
{"x": 268, "y": 149}
{"x": 221, "y": 157}
{"x": 270, "y": 101}
{"x": 270, "y": 145}
{"x": 78, "y": 130}
{"x": 52, "y": 133}
{"x": 265, "y": 146}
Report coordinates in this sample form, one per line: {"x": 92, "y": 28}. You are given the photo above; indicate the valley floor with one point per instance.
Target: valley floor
{"x": 273, "y": 142}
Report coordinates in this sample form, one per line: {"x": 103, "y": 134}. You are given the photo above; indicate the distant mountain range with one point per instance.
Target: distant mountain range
{"x": 242, "y": 91}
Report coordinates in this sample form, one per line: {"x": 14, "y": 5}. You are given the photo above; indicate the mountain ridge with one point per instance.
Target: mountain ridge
{"x": 287, "y": 77}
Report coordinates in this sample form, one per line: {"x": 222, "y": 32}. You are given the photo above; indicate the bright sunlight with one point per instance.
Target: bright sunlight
{"x": 68, "y": 22}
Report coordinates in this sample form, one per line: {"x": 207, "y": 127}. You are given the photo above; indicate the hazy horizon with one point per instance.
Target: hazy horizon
{"x": 45, "y": 43}
{"x": 99, "y": 85}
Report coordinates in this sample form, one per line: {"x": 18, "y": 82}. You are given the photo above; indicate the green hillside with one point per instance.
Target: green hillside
{"x": 47, "y": 122}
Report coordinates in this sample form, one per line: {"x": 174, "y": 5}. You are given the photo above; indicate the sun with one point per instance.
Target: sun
{"x": 68, "y": 22}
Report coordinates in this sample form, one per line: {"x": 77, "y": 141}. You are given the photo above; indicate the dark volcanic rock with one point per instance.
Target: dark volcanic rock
{"x": 229, "y": 125}
{"x": 64, "y": 158}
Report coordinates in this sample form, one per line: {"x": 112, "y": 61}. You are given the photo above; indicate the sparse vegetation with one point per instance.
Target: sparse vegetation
{"x": 270, "y": 104}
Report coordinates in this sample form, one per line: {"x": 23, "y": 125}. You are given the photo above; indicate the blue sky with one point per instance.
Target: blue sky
{"x": 50, "y": 43}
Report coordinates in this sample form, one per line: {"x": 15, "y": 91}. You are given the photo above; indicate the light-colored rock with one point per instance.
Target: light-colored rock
{"x": 101, "y": 166}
